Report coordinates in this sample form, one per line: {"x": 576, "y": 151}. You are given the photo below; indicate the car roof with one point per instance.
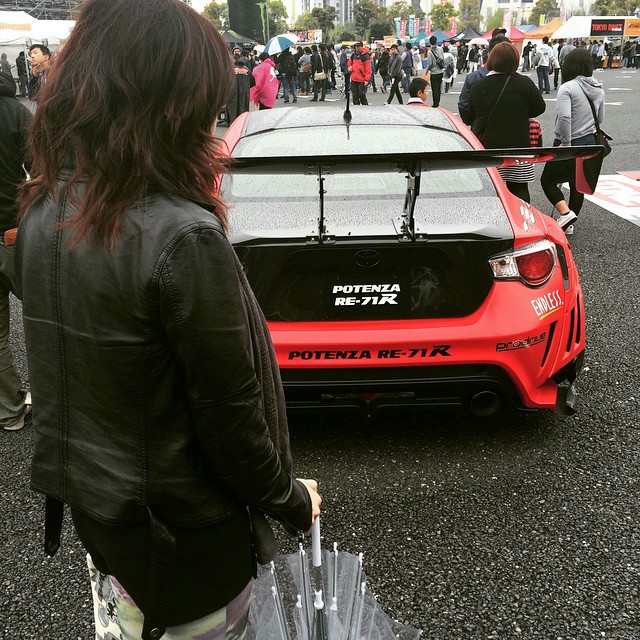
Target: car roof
{"x": 292, "y": 117}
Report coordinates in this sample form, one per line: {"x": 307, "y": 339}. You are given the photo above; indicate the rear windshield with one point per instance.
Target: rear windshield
{"x": 246, "y": 186}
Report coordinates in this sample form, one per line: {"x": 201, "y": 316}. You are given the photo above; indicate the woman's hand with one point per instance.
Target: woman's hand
{"x": 316, "y": 499}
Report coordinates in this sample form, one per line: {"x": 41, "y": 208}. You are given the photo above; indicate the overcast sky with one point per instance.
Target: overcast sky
{"x": 199, "y": 5}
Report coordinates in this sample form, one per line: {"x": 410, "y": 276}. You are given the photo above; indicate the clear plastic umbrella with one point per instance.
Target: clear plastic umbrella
{"x": 325, "y": 599}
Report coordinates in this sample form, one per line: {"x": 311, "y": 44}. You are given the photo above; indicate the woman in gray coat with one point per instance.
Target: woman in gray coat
{"x": 575, "y": 126}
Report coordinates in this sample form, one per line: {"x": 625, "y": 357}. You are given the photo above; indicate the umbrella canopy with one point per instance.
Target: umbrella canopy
{"x": 322, "y": 599}
{"x": 546, "y": 30}
{"x": 479, "y": 41}
{"x": 468, "y": 34}
{"x": 280, "y": 43}
{"x": 234, "y": 38}
{"x": 515, "y": 35}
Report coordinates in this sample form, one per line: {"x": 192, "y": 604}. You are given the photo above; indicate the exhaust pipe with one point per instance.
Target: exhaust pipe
{"x": 485, "y": 403}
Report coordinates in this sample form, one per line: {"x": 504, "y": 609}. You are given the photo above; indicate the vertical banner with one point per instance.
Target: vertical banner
{"x": 453, "y": 25}
{"x": 397, "y": 23}
{"x": 427, "y": 25}
{"x": 403, "y": 29}
{"x": 506, "y": 20}
{"x": 410, "y": 30}
{"x": 248, "y": 18}
{"x": 541, "y": 22}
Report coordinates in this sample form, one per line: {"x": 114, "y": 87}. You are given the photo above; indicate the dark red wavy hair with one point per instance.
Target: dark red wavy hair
{"x": 128, "y": 107}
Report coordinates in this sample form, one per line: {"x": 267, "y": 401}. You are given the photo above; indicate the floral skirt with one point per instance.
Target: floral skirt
{"x": 118, "y": 618}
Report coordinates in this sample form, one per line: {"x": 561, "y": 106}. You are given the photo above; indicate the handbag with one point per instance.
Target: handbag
{"x": 601, "y": 137}
{"x": 591, "y": 167}
{"x": 319, "y": 75}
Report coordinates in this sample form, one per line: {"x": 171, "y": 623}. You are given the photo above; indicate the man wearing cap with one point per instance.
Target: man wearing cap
{"x": 360, "y": 72}
{"x": 498, "y": 31}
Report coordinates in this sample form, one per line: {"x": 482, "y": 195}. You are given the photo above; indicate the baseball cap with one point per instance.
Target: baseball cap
{"x": 497, "y": 31}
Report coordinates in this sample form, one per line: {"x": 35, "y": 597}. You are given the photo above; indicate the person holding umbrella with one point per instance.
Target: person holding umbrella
{"x": 161, "y": 419}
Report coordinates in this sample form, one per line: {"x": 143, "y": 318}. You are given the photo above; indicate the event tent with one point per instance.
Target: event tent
{"x": 442, "y": 36}
{"x": 421, "y": 36}
{"x": 468, "y": 34}
{"x": 575, "y": 27}
{"x": 546, "y": 30}
{"x": 515, "y": 35}
{"x": 234, "y": 38}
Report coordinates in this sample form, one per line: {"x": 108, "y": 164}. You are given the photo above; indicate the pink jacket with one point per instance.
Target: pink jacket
{"x": 266, "y": 88}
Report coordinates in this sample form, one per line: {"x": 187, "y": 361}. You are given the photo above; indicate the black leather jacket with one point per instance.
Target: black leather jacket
{"x": 142, "y": 375}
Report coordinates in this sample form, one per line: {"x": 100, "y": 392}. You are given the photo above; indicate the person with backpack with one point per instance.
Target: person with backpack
{"x": 435, "y": 69}
{"x": 304, "y": 69}
{"x": 288, "y": 71}
{"x": 449, "y": 68}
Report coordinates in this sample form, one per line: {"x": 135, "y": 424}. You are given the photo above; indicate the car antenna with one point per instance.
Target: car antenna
{"x": 346, "y": 116}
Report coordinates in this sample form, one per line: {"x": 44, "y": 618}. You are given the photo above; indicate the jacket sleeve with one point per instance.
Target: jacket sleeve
{"x": 207, "y": 327}
{"x": 537, "y": 105}
{"x": 563, "y": 115}
{"x": 463, "y": 102}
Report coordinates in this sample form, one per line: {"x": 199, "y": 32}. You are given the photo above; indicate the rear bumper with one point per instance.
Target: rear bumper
{"x": 479, "y": 389}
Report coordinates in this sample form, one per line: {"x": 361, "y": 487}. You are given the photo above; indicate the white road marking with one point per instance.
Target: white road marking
{"x": 620, "y": 195}
{"x": 619, "y": 89}
{"x": 614, "y": 104}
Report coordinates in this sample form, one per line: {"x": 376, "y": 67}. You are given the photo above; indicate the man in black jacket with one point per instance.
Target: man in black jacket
{"x": 14, "y": 123}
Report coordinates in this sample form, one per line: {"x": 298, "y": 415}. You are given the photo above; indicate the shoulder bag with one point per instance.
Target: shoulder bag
{"x": 601, "y": 137}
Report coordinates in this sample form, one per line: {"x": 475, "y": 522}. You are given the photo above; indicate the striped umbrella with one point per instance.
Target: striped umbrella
{"x": 280, "y": 43}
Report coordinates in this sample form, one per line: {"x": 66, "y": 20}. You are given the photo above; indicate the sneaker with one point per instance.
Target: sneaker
{"x": 19, "y": 423}
{"x": 569, "y": 230}
{"x": 566, "y": 219}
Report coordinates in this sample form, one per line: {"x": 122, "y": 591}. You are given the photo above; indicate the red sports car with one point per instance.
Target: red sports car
{"x": 395, "y": 268}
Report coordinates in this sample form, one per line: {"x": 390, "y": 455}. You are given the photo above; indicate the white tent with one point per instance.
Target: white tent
{"x": 19, "y": 30}
{"x": 575, "y": 27}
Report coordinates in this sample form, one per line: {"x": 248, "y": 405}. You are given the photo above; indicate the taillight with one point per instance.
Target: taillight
{"x": 533, "y": 264}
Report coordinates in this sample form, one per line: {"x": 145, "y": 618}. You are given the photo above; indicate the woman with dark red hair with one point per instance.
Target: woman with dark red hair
{"x": 158, "y": 410}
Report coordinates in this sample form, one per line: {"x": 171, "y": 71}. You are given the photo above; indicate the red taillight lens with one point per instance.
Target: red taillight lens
{"x": 536, "y": 267}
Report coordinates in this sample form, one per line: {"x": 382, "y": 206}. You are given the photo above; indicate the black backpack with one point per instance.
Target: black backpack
{"x": 290, "y": 66}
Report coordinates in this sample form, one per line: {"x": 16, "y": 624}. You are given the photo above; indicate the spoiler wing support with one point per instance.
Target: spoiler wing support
{"x": 414, "y": 164}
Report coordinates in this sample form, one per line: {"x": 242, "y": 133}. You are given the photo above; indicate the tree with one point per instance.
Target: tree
{"x": 440, "y": 15}
{"x": 326, "y": 17}
{"x": 345, "y": 32}
{"x": 306, "y": 21}
{"x": 547, "y": 8}
{"x": 363, "y": 13}
{"x": 379, "y": 28}
{"x": 217, "y": 14}
{"x": 469, "y": 14}
{"x": 399, "y": 9}
{"x": 613, "y": 7}
{"x": 496, "y": 19}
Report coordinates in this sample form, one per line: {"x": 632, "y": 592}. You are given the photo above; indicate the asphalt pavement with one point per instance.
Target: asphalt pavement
{"x": 520, "y": 526}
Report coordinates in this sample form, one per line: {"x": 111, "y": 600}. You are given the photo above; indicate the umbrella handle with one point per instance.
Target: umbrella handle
{"x": 315, "y": 543}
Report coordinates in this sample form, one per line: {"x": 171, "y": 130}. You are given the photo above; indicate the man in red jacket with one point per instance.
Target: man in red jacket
{"x": 359, "y": 67}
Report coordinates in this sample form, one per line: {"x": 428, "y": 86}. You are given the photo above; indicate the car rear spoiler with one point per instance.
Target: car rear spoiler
{"x": 413, "y": 164}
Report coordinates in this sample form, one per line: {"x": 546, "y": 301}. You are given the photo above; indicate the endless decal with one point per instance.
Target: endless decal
{"x": 547, "y": 304}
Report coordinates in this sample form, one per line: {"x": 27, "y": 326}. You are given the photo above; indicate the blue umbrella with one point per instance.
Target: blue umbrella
{"x": 280, "y": 43}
